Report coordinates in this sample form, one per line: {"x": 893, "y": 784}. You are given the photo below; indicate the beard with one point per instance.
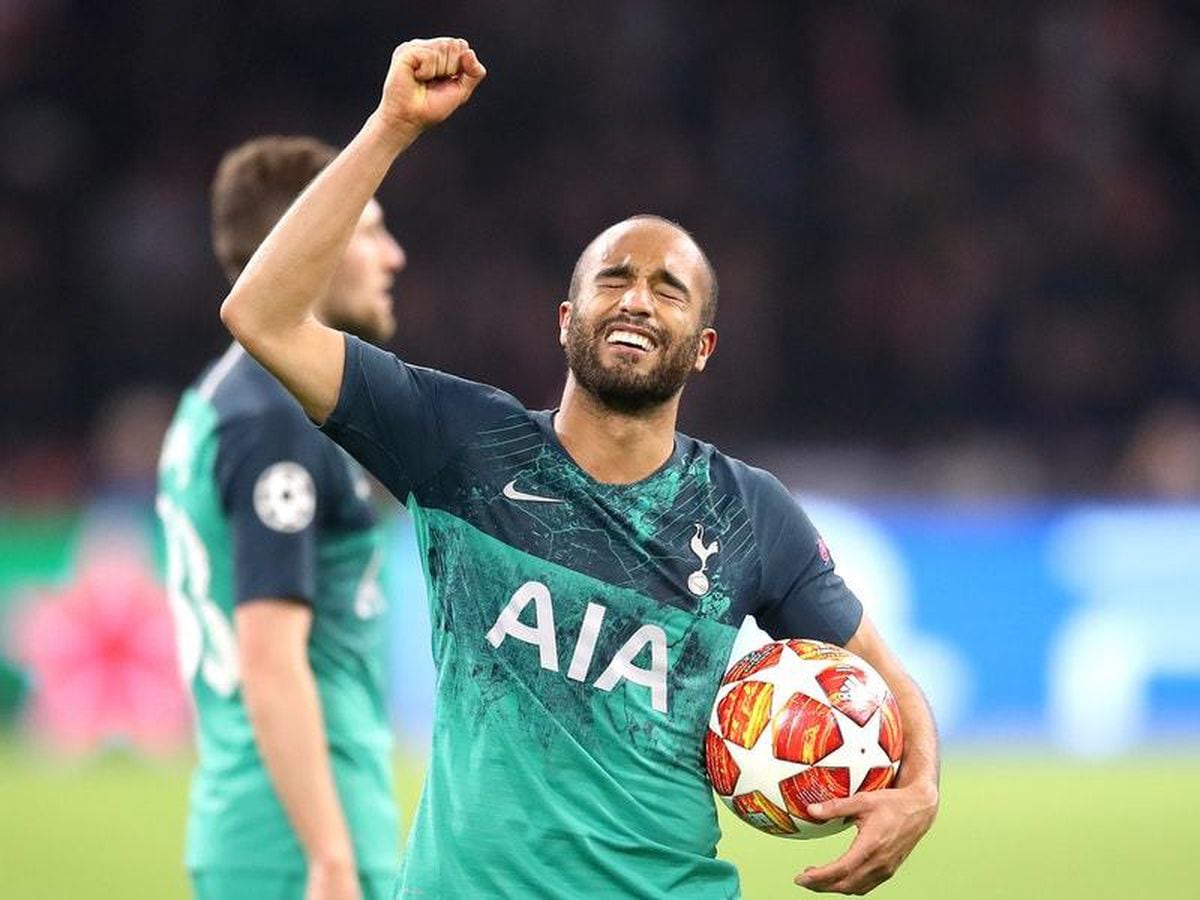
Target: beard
{"x": 621, "y": 387}
{"x": 373, "y": 328}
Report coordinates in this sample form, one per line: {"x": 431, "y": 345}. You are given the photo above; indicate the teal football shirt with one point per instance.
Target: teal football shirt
{"x": 255, "y": 502}
{"x": 580, "y": 630}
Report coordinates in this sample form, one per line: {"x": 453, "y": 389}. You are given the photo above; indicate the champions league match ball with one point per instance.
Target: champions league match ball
{"x": 797, "y": 722}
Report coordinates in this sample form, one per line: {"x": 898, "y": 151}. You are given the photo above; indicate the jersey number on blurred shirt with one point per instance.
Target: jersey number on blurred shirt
{"x": 204, "y": 637}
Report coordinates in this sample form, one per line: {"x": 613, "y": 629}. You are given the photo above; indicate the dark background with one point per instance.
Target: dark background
{"x": 957, "y": 242}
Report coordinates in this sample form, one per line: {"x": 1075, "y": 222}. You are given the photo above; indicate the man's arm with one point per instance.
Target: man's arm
{"x": 285, "y": 713}
{"x": 270, "y": 309}
{"x": 890, "y": 822}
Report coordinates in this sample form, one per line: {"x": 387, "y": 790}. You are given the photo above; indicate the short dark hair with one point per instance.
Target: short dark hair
{"x": 255, "y": 184}
{"x": 708, "y": 314}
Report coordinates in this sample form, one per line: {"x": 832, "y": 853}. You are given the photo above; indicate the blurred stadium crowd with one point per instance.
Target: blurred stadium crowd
{"x": 957, "y": 242}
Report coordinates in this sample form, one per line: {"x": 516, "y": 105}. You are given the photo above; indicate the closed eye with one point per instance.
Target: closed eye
{"x": 614, "y": 276}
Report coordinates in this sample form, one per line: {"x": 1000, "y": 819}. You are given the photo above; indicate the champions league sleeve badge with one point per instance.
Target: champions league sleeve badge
{"x": 285, "y": 498}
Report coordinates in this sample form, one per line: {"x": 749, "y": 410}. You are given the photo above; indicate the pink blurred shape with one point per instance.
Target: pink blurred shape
{"x": 100, "y": 653}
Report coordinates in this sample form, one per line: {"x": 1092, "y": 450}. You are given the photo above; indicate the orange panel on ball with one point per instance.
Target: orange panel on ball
{"x": 752, "y": 662}
{"x": 723, "y": 771}
{"x": 877, "y": 779}
{"x": 805, "y": 731}
{"x": 764, "y": 815}
{"x": 806, "y": 649}
{"x": 849, "y": 691}
{"x": 745, "y": 711}
{"x": 814, "y": 785}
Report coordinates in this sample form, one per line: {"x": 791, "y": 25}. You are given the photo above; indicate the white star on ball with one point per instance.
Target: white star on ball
{"x": 860, "y": 751}
{"x": 768, "y": 772}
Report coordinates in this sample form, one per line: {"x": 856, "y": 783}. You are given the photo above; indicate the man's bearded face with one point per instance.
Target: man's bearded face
{"x": 624, "y": 378}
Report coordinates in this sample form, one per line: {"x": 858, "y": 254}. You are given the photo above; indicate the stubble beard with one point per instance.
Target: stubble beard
{"x": 371, "y": 327}
{"x": 621, "y": 387}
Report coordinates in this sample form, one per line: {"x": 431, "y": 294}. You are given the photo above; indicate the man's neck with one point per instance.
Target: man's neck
{"x": 611, "y": 446}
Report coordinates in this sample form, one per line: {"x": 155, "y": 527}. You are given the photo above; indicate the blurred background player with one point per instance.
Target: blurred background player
{"x": 588, "y": 567}
{"x": 273, "y": 564}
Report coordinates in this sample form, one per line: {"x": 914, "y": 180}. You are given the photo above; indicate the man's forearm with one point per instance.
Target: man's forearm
{"x": 272, "y": 307}
{"x": 919, "y": 765}
{"x": 285, "y": 712}
{"x": 890, "y": 823}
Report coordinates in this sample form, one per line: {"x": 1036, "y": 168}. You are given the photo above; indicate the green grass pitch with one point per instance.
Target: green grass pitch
{"x": 1010, "y": 827}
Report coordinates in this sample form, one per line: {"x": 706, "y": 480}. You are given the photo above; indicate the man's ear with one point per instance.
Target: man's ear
{"x": 564, "y": 321}
{"x": 708, "y": 346}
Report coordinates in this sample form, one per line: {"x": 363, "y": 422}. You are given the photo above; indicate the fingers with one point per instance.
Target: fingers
{"x": 439, "y": 58}
{"x": 473, "y": 73}
{"x": 841, "y": 807}
{"x": 470, "y": 64}
{"x": 425, "y": 57}
{"x": 853, "y": 873}
{"x": 863, "y": 880}
{"x": 888, "y": 827}
{"x": 869, "y": 861}
{"x": 862, "y": 883}
{"x": 824, "y": 878}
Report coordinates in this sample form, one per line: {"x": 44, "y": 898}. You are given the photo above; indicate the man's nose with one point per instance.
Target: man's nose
{"x": 397, "y": 259}
{"x": 637, "y": 300}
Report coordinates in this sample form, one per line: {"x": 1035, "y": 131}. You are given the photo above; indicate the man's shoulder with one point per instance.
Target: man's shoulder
{"x": 452, "y": 386}
{"x": 733, "y": 474}
{"x": 378, "y": 366}
{"x": 242, "y": 392}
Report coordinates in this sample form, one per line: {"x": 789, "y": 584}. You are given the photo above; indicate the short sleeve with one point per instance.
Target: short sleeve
{"x": 403, "y": 422}
{"x": 801, "y": 593}
{"x": 272, "y": 474}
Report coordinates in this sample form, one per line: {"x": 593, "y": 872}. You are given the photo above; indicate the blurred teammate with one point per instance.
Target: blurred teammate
{"x": 273, "y": 559}
{"x": 588, "y": 567}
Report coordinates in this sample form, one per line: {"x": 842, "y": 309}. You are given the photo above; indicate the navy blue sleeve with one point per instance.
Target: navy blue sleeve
{"x": 801, "y": 593}
{"x": 272, "y": 472}
{"x": 404, "y": 422}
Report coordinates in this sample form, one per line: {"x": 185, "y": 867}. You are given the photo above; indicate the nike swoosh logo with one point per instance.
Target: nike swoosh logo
{"x": 510, "y": 491}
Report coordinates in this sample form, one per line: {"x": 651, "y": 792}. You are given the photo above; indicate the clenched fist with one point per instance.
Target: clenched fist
{"x": 427, "y": 81}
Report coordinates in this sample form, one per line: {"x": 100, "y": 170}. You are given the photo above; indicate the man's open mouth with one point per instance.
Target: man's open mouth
{"x": 624, "y": 337}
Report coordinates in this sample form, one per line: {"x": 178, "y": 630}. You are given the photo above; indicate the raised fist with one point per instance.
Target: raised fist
{"x": 427, "y": 81}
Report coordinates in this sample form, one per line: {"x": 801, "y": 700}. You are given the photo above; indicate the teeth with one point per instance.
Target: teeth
{"x": 629, "y": 337}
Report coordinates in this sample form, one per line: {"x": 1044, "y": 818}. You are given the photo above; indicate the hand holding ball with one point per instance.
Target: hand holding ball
{"x": 797, "y": 722}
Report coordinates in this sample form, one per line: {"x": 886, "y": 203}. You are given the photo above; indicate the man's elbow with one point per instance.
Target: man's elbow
{"x": 247, "y": 329}
{"x": 233, "y": 316}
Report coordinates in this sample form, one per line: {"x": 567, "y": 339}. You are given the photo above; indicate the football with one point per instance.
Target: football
{"x": 796, "y": 722}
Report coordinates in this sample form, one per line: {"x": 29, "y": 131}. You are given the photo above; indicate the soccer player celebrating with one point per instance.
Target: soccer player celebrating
{"x": 272, "y": 564}
{"x": 588, "y": 567}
